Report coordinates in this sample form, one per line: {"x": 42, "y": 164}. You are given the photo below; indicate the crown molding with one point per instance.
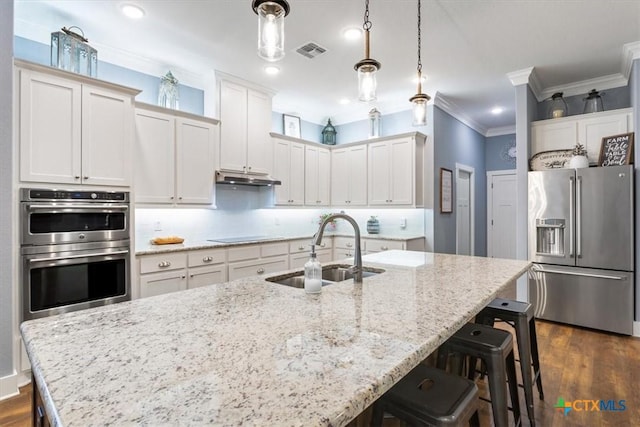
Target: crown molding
{"x": 453, "y": 110}
{"x": 580, "y": 88}
{"x": 630, "y": 52}
{"x": 503, "y": 130}
{"x": 527, "y": 76}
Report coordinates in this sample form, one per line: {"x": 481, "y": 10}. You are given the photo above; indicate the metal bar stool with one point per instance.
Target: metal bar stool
{"x": 427, "y": 396}
{"x": 495, "y": 348}
{"x": 520, "y": 315}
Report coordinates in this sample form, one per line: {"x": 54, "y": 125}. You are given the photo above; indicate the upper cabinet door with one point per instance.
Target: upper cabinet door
{"x": 154, "y": 157}
{"x": 311, "y": 196}
{"x": 107, "y": 133}
{"x": 233, "y": 127}
{"x": 340, "y": 176}
{"x": 296, "y": 175}
{"x": 282, "y": 171}
{"x": 50, "y": 128}
{"x": 195, "y": 161}
{"x": 379, "y": 173}
{"x": 592, "y": 130}
{"x": 401, "y": 182}
{"x": 259, "y": 147}
{"x": 324, "y": 176}
{"x": 358, "y": 175}
{"x": 546, "y": 136}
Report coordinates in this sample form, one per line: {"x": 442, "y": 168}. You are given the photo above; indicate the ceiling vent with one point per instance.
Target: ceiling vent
{"x": 311, "y": 50}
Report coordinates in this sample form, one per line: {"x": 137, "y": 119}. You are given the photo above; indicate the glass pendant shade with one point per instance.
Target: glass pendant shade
{"x": 70, "y": 52}
{"x": 419, "y": 102}
{"x": 271, "y": 15}
{"x": 367, "y": 83}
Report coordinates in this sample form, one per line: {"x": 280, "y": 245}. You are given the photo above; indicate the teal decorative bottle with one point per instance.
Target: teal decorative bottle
{"x": 373, "y": 225}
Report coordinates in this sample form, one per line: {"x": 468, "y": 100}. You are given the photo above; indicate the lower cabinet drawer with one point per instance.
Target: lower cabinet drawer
{"x": 204, "y": 276}
{"x": 379, "y": 245}
{"x": 339, "y": 253}
{"x": 344, "y": 242}
{"x": 162, "y": 283}
{"x": 258, "y": 267}
{"x": 299, "y": 260}
{"x": 162, "y": 262}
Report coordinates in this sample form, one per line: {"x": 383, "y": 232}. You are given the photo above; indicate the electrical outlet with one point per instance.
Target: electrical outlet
{"x": 157, "y": 226}
{"x": 277, "y": 221}
{"x": 403, "y": 223}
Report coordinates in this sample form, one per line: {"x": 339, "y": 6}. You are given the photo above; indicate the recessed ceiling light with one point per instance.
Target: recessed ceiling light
{"x": 132, "y": 11}
{"x": 352, "y": 33}
{"x": 344, "y": 101}
{"x": 424, "y": 79}
{"x": 497, "y": 110}
{"x": 272, "y": 70}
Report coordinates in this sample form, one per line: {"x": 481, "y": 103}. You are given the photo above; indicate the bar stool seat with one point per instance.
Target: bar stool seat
{"x": 495, "y": 348}
{"x": 520, "y": 315}
{"x": 427, "y": 396}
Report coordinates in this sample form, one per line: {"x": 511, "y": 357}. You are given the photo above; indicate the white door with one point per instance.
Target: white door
{"x": 463, "y": 216}
{"x": 501, "y": 200}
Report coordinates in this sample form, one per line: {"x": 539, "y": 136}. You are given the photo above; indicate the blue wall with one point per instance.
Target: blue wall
{"x": 496, "y": 152}
{"x": 612, "y": 99}
{"x": 455, "y": 142}
{"x": 391, "y": 124}
{"x": 191, "y": 99}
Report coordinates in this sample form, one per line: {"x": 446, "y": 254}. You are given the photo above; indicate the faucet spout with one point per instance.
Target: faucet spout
{"x": 317, "y": 240}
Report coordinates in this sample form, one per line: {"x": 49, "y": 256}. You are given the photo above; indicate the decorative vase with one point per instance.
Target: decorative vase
{"x": 577, "y": 162}
{"x": 373, "y": 225}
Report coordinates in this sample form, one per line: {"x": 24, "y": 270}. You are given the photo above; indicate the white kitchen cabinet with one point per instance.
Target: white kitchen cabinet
{"x": 587, "y": 129}
{"x": 162, "y": 283}
{"x": 299, "y": 260}
{"x": 289, "y": 168}
{"x": 300, "y": 251}
{"x": 73, "y": 129}
{"x": 206, "y": 267}
{"x": 245, "y": 113}
{"x": 349, "y": 176}
{"x": 396, "y": 173}
{"x": 317, "y": 176}
{"x": 175, "y": 157}
{"x": 257, "y": 260}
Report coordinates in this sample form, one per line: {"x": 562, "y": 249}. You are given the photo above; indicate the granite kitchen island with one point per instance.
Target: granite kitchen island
{"x": 252, "y": 352}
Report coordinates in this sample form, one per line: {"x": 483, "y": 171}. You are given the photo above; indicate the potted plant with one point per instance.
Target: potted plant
{"x": 331, "y": 225}
{"x": 579, "y": 159}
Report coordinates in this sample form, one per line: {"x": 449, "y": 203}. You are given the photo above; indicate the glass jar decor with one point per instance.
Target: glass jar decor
{"x": 373, "y": 225}
{"x": 168, "y": 94}
{"x": 329, "y": 134}
{"x": 374, "y": 123}
{"x": 558, "y": 107}
{"x": 70, "y": 52}
{"x": 593, "y": 102}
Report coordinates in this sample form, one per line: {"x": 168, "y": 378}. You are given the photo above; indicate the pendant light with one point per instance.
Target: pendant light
{"x": 367, "y": 67}
{"x": 271, "y": 15}
{"x": 420, "y": 99}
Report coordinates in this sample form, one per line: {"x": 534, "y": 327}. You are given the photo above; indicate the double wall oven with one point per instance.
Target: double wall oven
{"x": 74, "y": 250}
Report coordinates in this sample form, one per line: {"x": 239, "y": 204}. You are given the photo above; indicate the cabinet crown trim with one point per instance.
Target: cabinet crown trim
{"x": 177, "y": 113}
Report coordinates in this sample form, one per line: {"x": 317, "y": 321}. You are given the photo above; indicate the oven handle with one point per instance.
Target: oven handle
{"x": 101, "y": 207}
{"x": 78, "y": 256}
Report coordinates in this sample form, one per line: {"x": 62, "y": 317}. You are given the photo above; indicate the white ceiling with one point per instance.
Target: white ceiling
{"x": 468, "y": 47}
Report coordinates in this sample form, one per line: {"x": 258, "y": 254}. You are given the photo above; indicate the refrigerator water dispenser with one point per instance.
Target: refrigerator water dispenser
{"x": 550, "y": 237}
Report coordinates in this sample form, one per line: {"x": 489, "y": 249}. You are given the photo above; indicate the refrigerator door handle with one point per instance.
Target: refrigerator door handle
{"x": 575, "y": 273}
{"x": 579, "y": 217}
{"x": 571, "y": 215}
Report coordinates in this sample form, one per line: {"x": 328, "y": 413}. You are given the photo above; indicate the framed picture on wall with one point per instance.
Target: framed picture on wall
{"x": 446, "y": 190}
{"x": 291, "y": 125}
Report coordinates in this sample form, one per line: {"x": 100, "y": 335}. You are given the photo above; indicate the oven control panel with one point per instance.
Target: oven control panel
{"x": 32, "y": 194}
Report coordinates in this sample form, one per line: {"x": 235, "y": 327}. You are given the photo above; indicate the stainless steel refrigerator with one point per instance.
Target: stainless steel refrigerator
{"x": 581, "y": 239}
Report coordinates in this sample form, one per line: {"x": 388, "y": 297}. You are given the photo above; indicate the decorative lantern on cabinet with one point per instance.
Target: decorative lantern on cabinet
{"x": 374, "y": 123}
{"x": 558, "y": 107}
{"x": 168, "y": 94}
{"x": 593, "y": 102}
{"x": 329, "y": 134}
{"x": 70, "y": 52}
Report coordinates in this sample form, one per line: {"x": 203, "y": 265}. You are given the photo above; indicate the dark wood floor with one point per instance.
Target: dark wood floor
{"x": 577, "y": 364}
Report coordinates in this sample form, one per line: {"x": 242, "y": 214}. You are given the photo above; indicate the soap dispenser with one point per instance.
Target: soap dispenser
{"x": 313, "y": 274}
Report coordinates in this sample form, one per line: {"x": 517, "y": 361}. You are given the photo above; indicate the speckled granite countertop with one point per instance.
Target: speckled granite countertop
{"x": 251, "y": 352}
{"x": 144, "y": 248}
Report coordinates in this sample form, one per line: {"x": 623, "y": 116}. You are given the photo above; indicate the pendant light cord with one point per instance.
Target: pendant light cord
{"x": 367, "y": 24}
{"x": 419, "y": 44}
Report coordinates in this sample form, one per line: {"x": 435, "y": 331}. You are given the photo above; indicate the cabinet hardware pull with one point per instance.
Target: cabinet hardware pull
{"x": 191, "y": 275}
{"x": 322, "y": 245}
{"x": 183, "y": 277}
{"x": 180, "y": 198}
{"x": 349, "y": 245}
{"x": 86, "y": 177}
{"x": 77, "y": 177}
{"x": 207, "y": 259}
{"x": 164, "y": 264}
{"x": 300, "y": 248}
{"x": 384, "y": 248}
{"x": 260, "y": 270}
{"x": 171, "y": 197}
{"x": 249, "y": 167}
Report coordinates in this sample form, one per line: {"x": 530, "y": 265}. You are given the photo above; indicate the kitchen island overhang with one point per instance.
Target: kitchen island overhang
{"x": 256, "y": 352}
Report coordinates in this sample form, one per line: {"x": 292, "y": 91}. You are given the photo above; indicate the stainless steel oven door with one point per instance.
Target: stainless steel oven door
{"x": 75, "y": 277}
{"x": 50, "y": 223}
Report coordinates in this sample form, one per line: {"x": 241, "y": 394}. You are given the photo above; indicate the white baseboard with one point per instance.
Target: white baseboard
{"x": 9, "y": 386}
{"x": 636, "y": 329}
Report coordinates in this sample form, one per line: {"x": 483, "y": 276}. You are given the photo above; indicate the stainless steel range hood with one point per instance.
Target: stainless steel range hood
{"x": 245, "y": 179}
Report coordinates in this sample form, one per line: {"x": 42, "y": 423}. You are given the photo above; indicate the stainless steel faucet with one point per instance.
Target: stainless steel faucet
{"x": 317, "y": 239}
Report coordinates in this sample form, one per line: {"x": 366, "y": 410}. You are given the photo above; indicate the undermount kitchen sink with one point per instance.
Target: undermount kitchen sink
{"x": 330, "y": 274}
